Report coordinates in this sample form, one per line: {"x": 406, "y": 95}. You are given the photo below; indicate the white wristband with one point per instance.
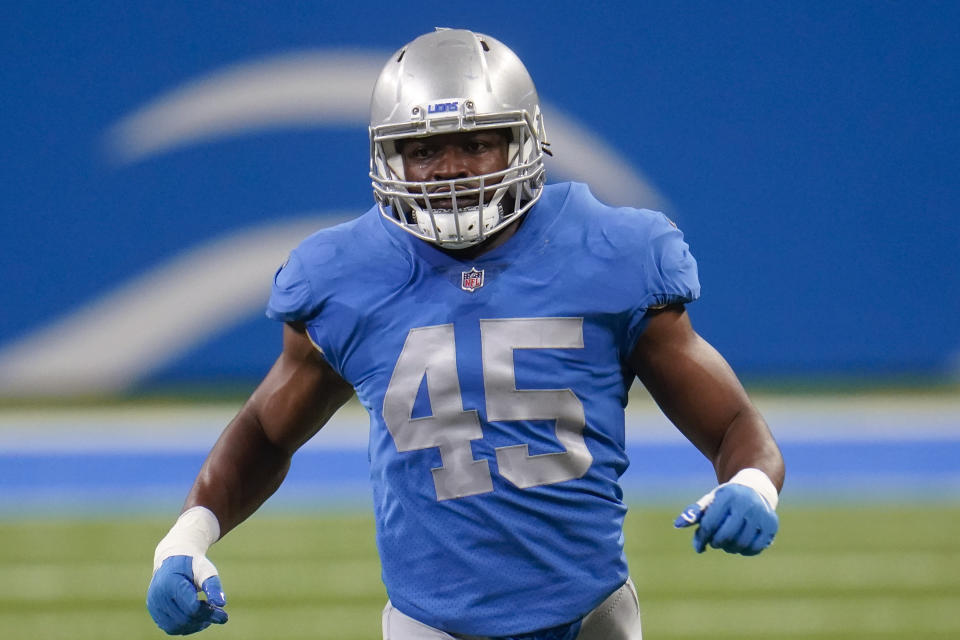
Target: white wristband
{"x": 195, "y": 530}
{"x": 759, "y": 482}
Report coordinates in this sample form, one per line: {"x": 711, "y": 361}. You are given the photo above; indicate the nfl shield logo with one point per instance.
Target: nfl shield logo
{"x": 471, "y": 280}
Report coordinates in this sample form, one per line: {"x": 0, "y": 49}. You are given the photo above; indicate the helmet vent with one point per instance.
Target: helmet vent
{"x": 400, "y": 57}
{"x": 486, "y": 47}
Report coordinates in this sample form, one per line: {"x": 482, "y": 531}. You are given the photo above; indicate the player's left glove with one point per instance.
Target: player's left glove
{"x": 737, "y": 516}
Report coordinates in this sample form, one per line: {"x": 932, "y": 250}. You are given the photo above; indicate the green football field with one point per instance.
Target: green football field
{"x": 835, "y": 572}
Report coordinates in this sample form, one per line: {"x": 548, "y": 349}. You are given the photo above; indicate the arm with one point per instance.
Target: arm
{"x": 699, "y": 392}
{"x": 246, "y": 465}
{"x": 251, "y": 458}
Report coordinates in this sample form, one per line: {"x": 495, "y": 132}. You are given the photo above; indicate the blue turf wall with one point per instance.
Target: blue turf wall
{"x": 808, "y": 151}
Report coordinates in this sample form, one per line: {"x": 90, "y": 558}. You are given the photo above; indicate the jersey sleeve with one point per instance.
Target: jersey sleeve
{"x": 291, "y": 298}
{"x": 669, "y": 273}
{"x": 672, "y": 272}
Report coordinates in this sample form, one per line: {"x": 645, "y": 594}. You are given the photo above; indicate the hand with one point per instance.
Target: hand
{"x": 173, "y": 600}
{"x": 732, "y": 517}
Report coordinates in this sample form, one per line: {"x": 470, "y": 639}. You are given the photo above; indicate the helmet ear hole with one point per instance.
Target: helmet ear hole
{"x": 393, "y": 158}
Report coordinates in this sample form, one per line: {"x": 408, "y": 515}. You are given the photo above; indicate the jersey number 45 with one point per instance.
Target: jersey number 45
{"x": 431, "y": 352}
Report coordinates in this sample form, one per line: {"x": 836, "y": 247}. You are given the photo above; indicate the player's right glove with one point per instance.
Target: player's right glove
{"x": 737, "y": 516}
{"x": 182, "y": 572}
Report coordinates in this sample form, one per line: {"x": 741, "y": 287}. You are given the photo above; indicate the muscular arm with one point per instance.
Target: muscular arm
{"x": 252, "y": 455}
{"x": 699, "y": 392}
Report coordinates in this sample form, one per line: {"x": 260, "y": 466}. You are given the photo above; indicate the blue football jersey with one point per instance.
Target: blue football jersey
{"x": 496, "y": 389}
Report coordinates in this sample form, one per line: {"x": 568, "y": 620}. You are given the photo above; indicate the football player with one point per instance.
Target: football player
{"x": 492, "y": 326}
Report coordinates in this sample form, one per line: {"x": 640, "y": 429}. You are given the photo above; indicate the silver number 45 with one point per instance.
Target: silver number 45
{"x": 431, "y": 352}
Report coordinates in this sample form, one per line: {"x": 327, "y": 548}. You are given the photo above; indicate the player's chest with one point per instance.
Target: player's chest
{"x": 491, "y": 324}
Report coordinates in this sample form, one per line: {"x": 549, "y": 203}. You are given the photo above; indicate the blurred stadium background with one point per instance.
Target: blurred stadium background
{"x": 160, "y": 160}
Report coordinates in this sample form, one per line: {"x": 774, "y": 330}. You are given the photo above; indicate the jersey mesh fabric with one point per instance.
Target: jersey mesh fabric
{"x": 508, "y": 560}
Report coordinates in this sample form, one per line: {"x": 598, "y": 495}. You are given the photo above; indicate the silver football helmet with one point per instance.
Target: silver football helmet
{"x": 453, "y": 80}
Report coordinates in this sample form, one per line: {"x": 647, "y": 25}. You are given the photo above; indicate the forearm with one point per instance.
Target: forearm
{"x": 719, "y": 418}
{"x": 243, "y": 469}
{"x": 747, "y": 443}
{"x": 250, "y": 460}
{"x": 699, "y": 392}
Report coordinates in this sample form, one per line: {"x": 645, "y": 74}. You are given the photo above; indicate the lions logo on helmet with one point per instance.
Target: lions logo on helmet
{"x": 453, "y": 80}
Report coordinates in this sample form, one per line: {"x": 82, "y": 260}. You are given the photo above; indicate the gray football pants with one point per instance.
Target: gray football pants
{"x": 616, "y": 618}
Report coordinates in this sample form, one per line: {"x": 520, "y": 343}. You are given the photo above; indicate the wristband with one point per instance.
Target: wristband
{"x": 759, "y": 482}
{"x": 193, "y": 533}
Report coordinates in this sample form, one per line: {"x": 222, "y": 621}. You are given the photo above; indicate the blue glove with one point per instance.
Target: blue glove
{"x": 174, "y": 603}
{"x": 732, "y": 517}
